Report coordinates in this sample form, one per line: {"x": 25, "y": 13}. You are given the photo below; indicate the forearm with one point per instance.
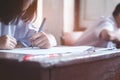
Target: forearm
{"x": 110, "y": 35}
{"x": 115, "y": 38}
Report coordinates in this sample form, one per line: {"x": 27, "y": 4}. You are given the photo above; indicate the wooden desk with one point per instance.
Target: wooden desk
{"x": 102, "y": 65}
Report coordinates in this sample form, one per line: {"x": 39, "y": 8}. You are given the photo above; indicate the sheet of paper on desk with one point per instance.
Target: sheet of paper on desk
{"x": 61, "y": 49}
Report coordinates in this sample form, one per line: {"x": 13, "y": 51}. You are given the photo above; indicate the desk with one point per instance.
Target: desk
{"x": 102, "y": 65}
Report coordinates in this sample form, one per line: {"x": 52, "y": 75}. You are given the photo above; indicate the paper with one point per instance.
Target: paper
{"x": 62, "y": 49}
{"x": 104, "y": 49}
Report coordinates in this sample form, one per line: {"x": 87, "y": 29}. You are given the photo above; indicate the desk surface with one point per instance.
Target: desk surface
{"x": 65, "y": 60}
{"x": 101, "y": 65}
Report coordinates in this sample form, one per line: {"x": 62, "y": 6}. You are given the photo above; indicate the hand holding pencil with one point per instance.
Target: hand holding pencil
{"x": 41, "y": 39}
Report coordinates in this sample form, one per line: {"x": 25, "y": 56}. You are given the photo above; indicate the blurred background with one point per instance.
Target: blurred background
{"x": 67, "y": 19}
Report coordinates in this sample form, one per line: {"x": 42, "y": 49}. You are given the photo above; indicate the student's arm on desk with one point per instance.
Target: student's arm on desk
{"x": 113, "y": 36}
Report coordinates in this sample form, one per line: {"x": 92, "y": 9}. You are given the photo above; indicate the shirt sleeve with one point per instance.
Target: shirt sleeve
{"x": 31, "y": 30}
{"x": 24, "y": 31}
{"x": 105, "y": 25}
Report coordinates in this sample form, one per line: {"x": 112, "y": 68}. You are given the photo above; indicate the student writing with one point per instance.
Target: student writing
{"x": 16, "y": 17}
{"x": 105, "y": 32}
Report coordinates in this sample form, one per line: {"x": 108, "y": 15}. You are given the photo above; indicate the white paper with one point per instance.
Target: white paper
{"x": 61, "y": 49}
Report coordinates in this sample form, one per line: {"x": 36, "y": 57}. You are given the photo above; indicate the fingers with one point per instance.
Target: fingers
{"x": 40, "y": 40}
{"x": 44, "y": 43}
{"x": 7, "y": 42}
{"x": 38, "y": 35}
{"x": 12, "y": 41}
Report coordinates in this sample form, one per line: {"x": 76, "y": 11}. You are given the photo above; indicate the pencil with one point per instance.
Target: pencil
{"x": 23, "y": 43}
{"x": 41, "y": 26}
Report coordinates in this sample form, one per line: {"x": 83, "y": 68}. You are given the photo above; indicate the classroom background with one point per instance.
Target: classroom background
{"x": 67, "y": 19}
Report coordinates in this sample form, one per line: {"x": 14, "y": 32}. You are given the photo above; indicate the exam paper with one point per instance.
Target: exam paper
{"x": 61, "y": 49}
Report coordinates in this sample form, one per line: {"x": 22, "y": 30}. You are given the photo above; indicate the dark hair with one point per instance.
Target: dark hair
{"x": 116, "y": 10}
{"x": 11, "y": 9}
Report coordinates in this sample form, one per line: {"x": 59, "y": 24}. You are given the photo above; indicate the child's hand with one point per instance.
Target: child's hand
{"x": 42, "y": 40}
{"x": 7, "y": 42}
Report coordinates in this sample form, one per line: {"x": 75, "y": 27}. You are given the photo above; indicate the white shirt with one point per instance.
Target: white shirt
{"x": 91, "y": 36}
{"x": 21, "y": 31}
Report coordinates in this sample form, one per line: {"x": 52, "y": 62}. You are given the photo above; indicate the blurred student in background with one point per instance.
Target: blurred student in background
{"x": 16, "y": 29}
{"x": 105, "y": 33}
